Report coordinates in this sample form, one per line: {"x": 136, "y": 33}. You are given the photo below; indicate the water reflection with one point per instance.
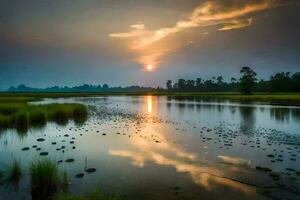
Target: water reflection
{"x": 250, "y": 114}
{"x": 247, "y": 118}
{"x": 149, "y": 104}
{"x": 197, "y": 144}
{"x": 165, "y": 153}
{"x": 280, "y": 114}
{"x": 234, "y": 160}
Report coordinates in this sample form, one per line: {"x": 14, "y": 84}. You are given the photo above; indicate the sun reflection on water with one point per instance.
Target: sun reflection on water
{"x": 149, "y": 104}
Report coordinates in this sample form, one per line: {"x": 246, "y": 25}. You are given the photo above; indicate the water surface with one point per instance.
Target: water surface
{"x": 150, "y": 147}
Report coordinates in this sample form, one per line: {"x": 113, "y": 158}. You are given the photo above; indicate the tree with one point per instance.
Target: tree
{"x": 233, "y": 80}
{"x": 169, "y": 85}
{"x": 296, "y": 81}
{"x": 247, "y": 81}
{"x": 198, "y": 82}
{"x": 105, "y": 86}
{"x": 175, "y": 86}
{"x": 190, "y": 84}
{"x": 281, "y": 82}
{"x": 181, "y": 84}
{"x": 213, "y": 79}
{"x": 220, "y": 80}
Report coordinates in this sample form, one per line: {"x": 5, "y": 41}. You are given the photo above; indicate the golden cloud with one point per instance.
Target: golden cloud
{"x": 145, "y": 43}
{"x": 236, "y": 24}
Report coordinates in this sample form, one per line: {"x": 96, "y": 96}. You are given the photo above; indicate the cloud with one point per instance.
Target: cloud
{"x": 234, "y": 160}
{"x": 212, "y": 13}
{"x": 236, "y": 24}
{"x": 138, "y": 30}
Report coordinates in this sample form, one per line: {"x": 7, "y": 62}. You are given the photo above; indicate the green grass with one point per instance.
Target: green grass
{"x": 95, "y": 195}
{"x": 66, "y": 178}
{"x": 44, "y": 178}
{"x": 22, "y": 120}
{"x": 37, "y": 117}
{"x": 14, "y": 172}
{"x": 238, "y": 96}
{"x": 293, "y": 98}
{"x": 80, "y": 114}
{"x": 17, "y": 98}
{"x": 19, "y": 114}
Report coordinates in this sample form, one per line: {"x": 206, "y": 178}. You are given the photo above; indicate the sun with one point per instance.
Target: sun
{"x": 149, "y": 67}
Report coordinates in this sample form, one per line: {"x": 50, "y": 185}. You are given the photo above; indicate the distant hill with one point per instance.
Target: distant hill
{"x": 82, "y": 88}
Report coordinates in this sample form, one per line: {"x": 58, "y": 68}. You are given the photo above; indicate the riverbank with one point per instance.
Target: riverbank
{"x": 276, "y": 98}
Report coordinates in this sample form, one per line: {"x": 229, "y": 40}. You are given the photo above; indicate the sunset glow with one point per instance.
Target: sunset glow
{"x": 149, "y": 67}
{"x": 169, "y": 99}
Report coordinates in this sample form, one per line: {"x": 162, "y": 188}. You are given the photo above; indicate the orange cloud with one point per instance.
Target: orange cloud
{"x": 236, "y": 24}
{"x": 145, "y": 43}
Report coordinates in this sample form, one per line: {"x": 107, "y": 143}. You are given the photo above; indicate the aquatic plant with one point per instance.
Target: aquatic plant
{"x": 14, "y": 172}
{"x": 66, "y": 179}
{"x": 44, "y": 178}
{"x": 17, "y": 113}
{"x": 4, "y": 121}
{"x": 22, "y": 120}
{"x": 37, "y": 117}
{"x": 80, "y": 114}
{"x": 11, "y": 108}
{"x": 59, "y": 115}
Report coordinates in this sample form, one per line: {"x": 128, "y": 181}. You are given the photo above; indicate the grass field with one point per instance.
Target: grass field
{"x": 281, "y": 98}
{"x": 266, "y": 97}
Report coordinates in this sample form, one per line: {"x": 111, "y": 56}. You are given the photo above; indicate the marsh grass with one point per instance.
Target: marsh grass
{"x": 5, "y": 121}
{"x": 65, "y": 181}
{"x": 17, "y": 113}
{"x": 94, "y": 195}
{"x": 21, "y": 98}
{"x": 14, "y": 172}
{"x": 22, "y": 120}
{"x": 80, "y": 114}
{"x": 44, "y": 178}
{"x": 37, "y": 117}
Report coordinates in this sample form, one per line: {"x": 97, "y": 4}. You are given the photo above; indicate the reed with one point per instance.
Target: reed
{"x": 14, "y": 172}
{"x": 44, "y": 178}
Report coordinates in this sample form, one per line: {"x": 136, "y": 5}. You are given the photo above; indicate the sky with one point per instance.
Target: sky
{"x": 144, "y": 42}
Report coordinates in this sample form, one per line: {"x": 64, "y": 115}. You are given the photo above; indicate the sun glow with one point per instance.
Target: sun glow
{"x": 149, "y": 67}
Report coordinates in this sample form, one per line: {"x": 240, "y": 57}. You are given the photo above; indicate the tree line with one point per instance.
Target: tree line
{"x": 247, "y": 83}
{"x": 81, "y": 88}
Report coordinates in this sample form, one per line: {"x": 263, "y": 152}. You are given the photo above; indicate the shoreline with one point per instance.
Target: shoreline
{"x": 272, "y": 98}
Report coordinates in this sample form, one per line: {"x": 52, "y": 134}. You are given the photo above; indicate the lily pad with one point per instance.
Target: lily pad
{"x": 44, "y": 153}
{"x": 90, "y": 170}
{"x": 69, "y": 160}
{"x": 40, "y": 139}
{"x": 80, "y": 175}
